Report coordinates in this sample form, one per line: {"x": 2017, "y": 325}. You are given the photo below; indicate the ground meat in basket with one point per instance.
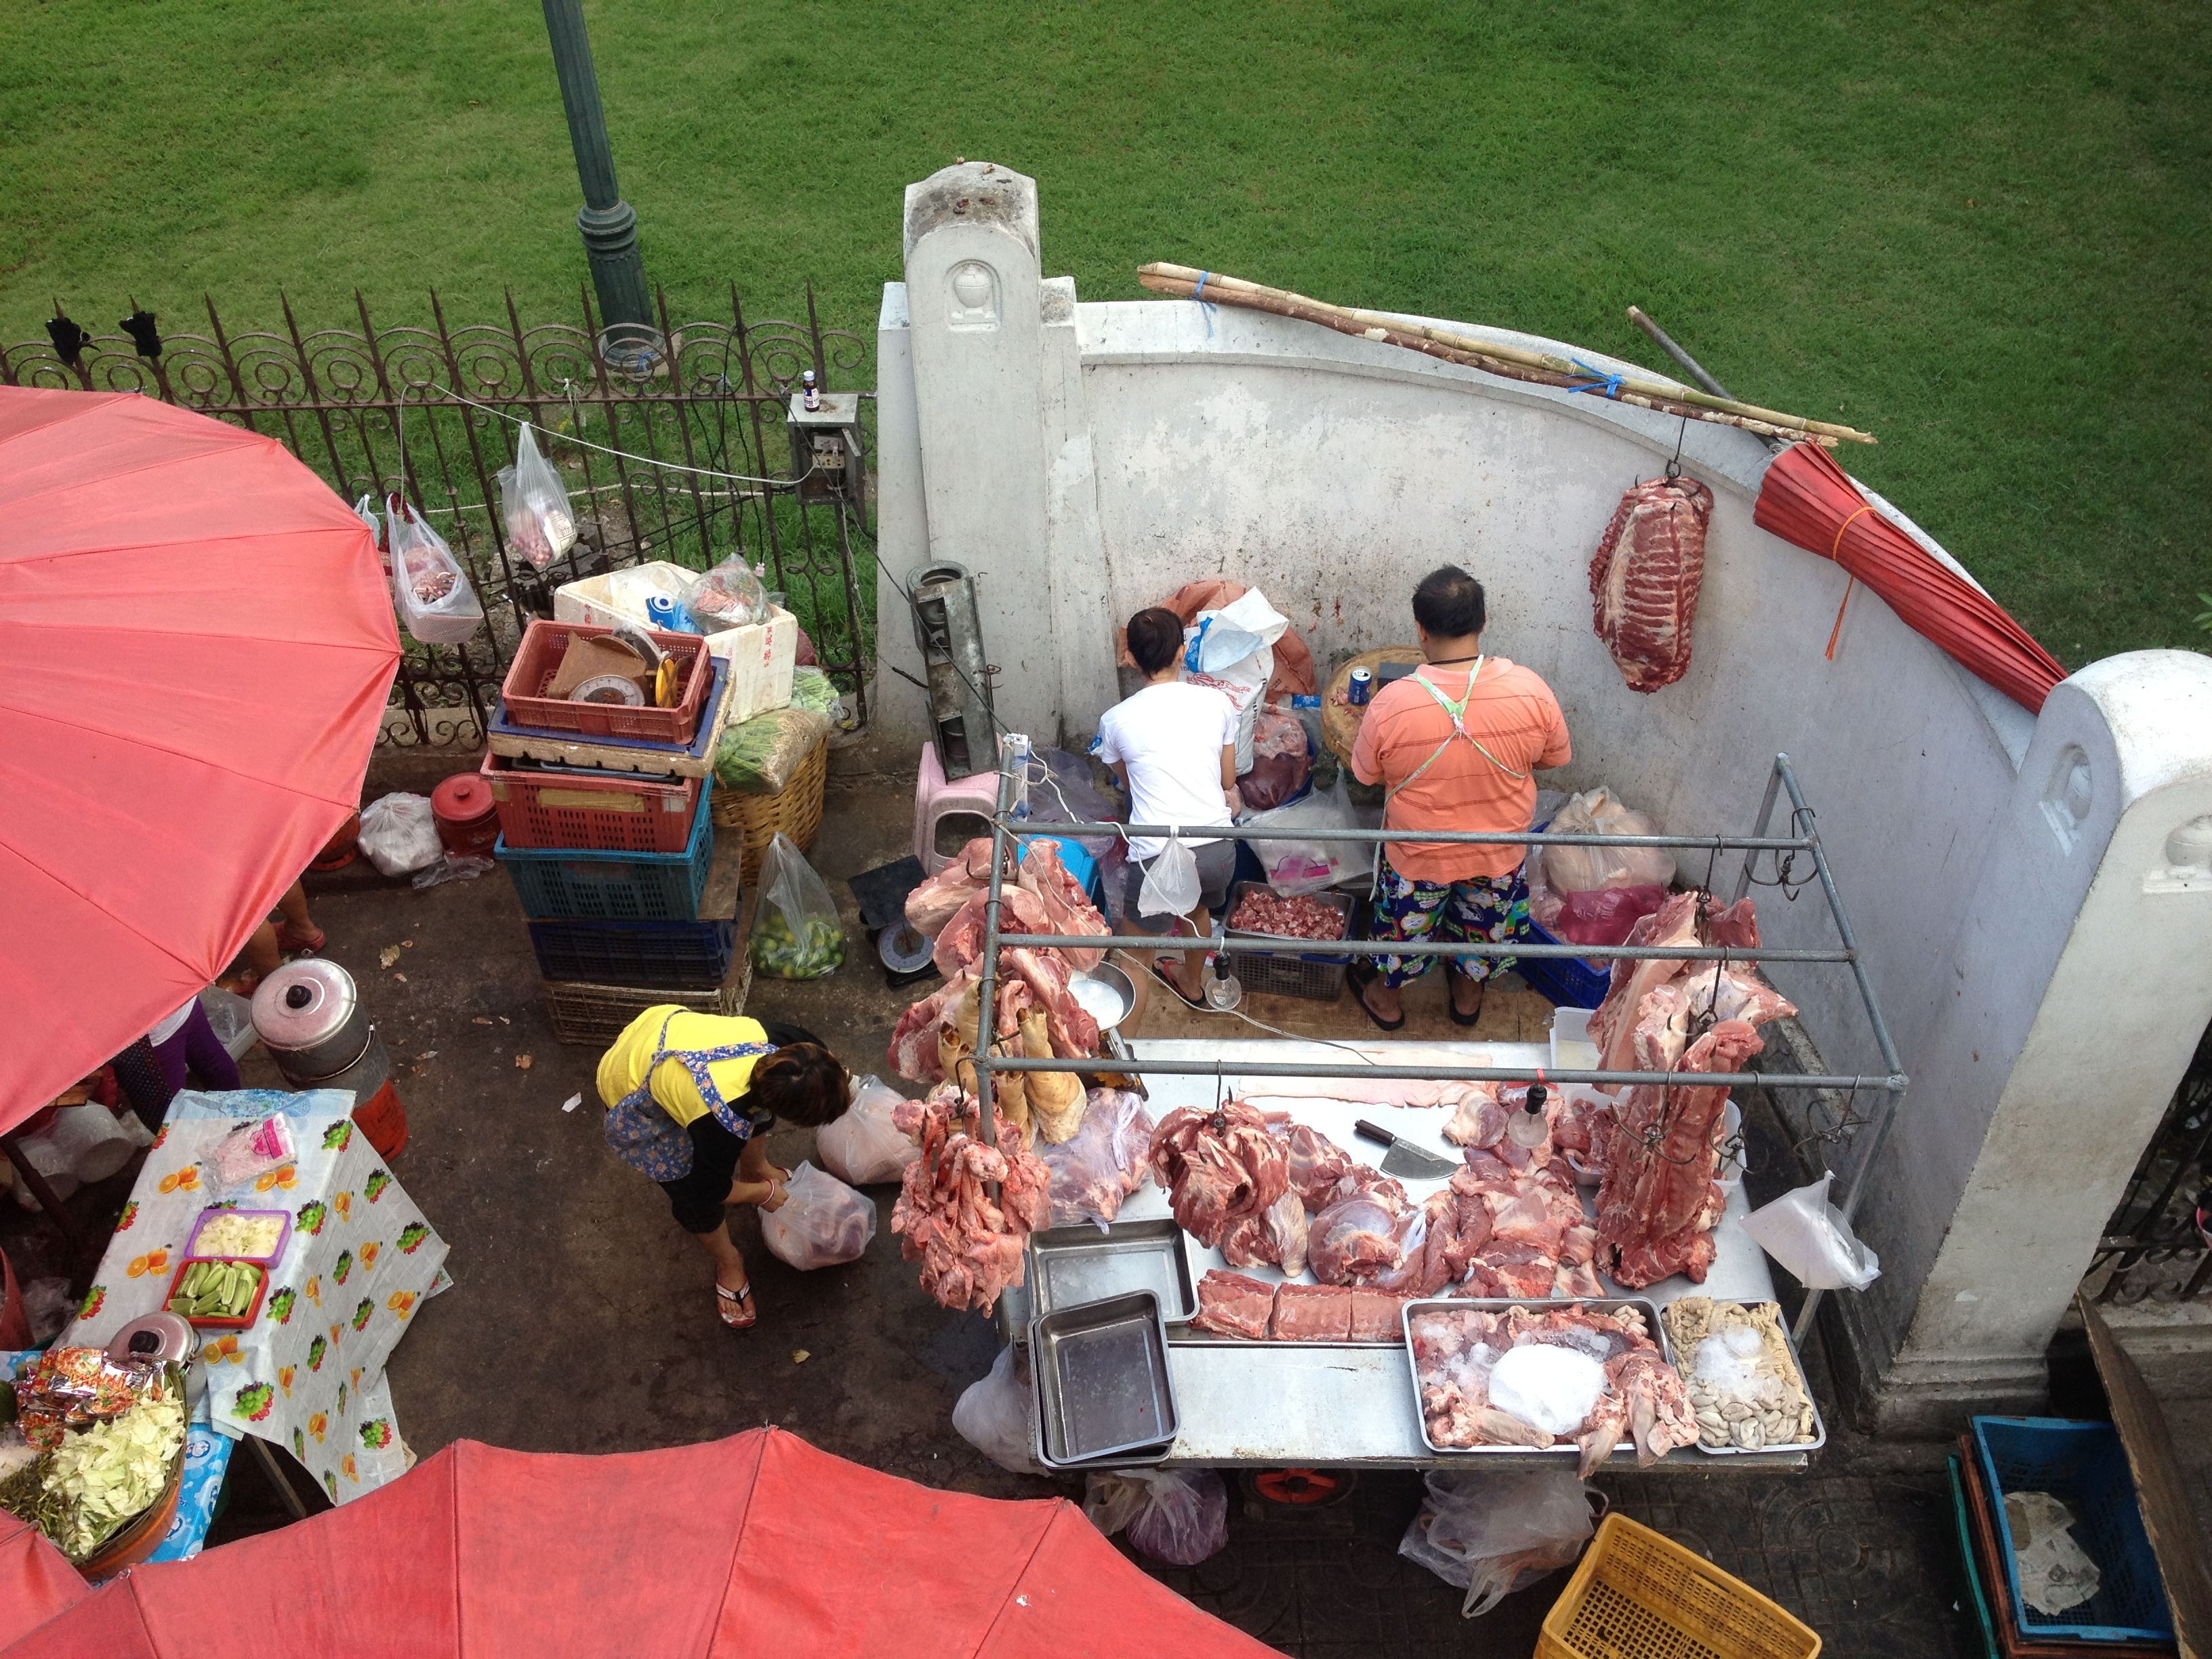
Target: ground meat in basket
{"x": 1303, "y": 917}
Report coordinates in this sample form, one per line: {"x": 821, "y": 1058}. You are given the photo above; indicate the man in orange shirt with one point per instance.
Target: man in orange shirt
{"x": 1456, "y": 744}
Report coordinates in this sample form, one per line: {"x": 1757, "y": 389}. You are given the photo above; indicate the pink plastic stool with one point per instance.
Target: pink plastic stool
{"x": 947, "y": 816}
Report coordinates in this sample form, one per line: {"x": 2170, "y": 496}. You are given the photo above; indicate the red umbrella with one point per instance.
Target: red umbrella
{"x": 36, "y": 1581}
{"x": 1807, "y": 500}
{"x": 196, "y": 644}
{"x": 755, "y": 1545}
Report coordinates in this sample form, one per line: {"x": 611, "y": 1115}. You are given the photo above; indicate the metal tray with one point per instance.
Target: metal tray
{"x": 1101, "y": 1379}
{"x": 1644, "y": 1305}
{"x": 1072, "y": 1265}
{"x": 1819, "y": 1423}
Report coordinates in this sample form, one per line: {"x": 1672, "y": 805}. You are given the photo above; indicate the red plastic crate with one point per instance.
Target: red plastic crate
{"x": 523, "y": 692}
{"x": 620, "y": 812}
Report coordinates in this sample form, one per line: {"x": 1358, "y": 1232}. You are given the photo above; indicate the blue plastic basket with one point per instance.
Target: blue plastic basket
{"x": 619, "y": 886}
{"x": 672, "y": 956}
{"x": 2083, "y": 1466}
{"x": 1566, "y": 982}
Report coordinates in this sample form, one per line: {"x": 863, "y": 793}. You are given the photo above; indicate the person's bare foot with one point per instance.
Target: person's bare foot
{"x": 1466, "y": 996}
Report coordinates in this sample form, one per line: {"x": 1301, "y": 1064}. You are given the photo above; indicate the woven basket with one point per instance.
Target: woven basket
{"x": 795, "y": 810}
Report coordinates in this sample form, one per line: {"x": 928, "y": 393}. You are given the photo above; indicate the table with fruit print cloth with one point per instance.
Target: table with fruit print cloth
{"x": 308, "y": 1374}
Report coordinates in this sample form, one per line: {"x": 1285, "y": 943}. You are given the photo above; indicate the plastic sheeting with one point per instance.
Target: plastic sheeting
{"x": 197, "y": 644}
{"x": 758, "y": 1544}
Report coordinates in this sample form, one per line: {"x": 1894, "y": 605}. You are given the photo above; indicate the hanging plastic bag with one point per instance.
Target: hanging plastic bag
{"x": 730, "y": 595}
{"x": 365, "y": 510}
{"x": 864, "y": 1147}
{"x": 1492, "y": 1533}
{"x": 1282, "y": 764}
{"x": 1293, "y": 866}
{"x": 437, "y": 606}
{"x": 821, "y": 1221}
{"x": 1107, "y": 1159}
{"x": 795, "y": 931}
{"x": 534, "y": 502}
{"x": 1809, "y": 1236}
{"x": 1184, "y": 1517}
{"x": 1171, "y": 886}
{"x": 399, "y": 834}
{"x": 991, "y": 1415}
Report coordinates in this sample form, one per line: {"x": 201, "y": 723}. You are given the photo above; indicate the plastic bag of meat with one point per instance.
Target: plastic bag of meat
{"x": 1645, "y": 579}
{"x": 821, "y": 1223}
{"x": 1492, "y": 1532}
{"x": 1108, "y": 1159}
{"x": 1281, "y": 762}
{"x": 1586, "y": 869}
{"x": 991, "y": 1415}
{"x": 1184, "y": 1517}
{"x": 865, "y": 1146}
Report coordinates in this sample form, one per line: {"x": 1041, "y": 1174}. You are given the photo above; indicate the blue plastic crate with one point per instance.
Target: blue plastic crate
{"x": 1568, "y": 981}
{"x": 2083, "y": 1466}
{"x": 618, "y": 886}
{"x": 674, "y": 955}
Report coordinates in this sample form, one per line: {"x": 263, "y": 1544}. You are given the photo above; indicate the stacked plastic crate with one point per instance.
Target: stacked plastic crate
{"x": 606, "y": 834}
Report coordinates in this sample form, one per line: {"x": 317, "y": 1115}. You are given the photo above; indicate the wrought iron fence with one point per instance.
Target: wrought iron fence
{"x": 2155, "y": 1245}
{"x": 680, "y": 452}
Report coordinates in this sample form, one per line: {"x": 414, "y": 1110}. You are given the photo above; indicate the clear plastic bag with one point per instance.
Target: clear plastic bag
{"x": 1600, "y": 915}
{"x": 991, "y": 1415}
{"x": 758, "y": 756}
{"x": 1282, "y": 765}
{"x": 1110, "y": 1502}
{"x": 1184, "y": 1517}
{"x": 796, "y": 934}
{"x": 436, "y": 604}
{"x": 864, "y": 1147}
{"x": 1587, "y": 869}
{"x": 365, "y": 510}
{"x": 534, "y": 502}
{"x": 730, "y": 595}
{"x": 1809, "y": 1236}
{"x": 399, "y": 833}
{"x": 821, "y": 1221}
{"x": 1494, "y": 1532}
{"x": 1294, "y": 866}
{"x": 1171, "y": 886}
{"x": 1107, "y": 1159}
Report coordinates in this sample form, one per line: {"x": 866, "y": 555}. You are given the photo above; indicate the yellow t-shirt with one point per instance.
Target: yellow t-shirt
{"x": 622, "y": 1069}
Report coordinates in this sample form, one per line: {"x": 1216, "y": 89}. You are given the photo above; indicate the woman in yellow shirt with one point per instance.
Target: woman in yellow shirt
{"x": 690, "y": 1097}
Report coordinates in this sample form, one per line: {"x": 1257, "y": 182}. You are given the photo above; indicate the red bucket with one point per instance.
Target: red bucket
{"x": 467, "y": 815}
{"x": 383, "y": 1120}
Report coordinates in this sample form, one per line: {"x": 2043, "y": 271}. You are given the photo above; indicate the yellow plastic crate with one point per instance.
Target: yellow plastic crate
{"x": 1638, "y": 1594}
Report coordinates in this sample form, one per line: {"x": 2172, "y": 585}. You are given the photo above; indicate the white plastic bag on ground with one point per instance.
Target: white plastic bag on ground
{"x": 1588, "y": 869}
{"x": 1494, "y": 1532}
{"x": 399, "y": 833}
{"x": 991, "y": 1415}
{"x": 1809, "y": 1236}
{"x": 534, "y": 502}
{"x": 1110, "y": 1502}
{"x": 821, "y": 1221}
{"x": 1171, "y": 886}
{"x": 1184, "y": 1517}
{"x": 865, "y": 1146}
{"x": 1292, "y": 865}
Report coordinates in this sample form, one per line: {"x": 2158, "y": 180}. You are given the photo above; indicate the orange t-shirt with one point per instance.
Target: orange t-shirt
{"x": 1511, "y": 713}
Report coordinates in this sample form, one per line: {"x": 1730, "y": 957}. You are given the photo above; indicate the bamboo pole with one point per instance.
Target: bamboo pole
{"x": 1492, "y": 357}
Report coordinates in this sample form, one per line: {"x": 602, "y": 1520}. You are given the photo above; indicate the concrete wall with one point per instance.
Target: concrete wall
{"x": 1998, "y": 868}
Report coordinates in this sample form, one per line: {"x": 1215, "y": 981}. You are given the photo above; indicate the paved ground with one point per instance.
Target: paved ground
{"x": 581, "y": 1318}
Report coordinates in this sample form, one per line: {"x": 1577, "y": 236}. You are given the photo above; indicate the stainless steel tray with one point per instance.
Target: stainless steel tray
{"x": 1071, "y": 1266}
{"x": 1644, "y": 1305}
{"x": 1101, "y": 1379}
{"x": 1819, "y": 1423}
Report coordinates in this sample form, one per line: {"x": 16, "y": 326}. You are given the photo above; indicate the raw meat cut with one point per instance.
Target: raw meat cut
{"x": 1235, "y": 1304}
{"x": 1478, "y": 1119}
{"x": 1304, "y": 917}
{"x": 1067, "y": 909}
{"x": 936, "y": 902}
{"x": 1645, "y": 579}
{"x": 1456, "y": 1355}
{"x": 1276, "y": 1236}
{"x": 1316, "y": 1164}
{"x": 969, "y": 1247}
{"x": 1028, "y": 977}
{"x": 1362, "y": 1235}
{"x": 1376, "y": 1317}
{"x": 1108, "y": 1159}
{"x": 1311, "y": 1313}
{"x": 1218, "y": 1167}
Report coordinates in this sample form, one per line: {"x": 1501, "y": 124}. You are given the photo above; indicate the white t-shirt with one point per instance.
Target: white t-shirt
{"x": 169, "y": 1027}
{"x": 1170, "y": 737}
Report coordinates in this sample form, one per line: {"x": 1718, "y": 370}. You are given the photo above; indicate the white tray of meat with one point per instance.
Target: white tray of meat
{"x": 1256, "y": 913}
{"x": 1546, "y": 1377}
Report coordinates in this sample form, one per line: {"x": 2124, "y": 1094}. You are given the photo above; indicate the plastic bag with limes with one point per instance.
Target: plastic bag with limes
{"x": 795, "y": 932}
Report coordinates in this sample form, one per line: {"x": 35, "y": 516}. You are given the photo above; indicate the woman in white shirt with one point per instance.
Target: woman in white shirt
{"x": 1174, "y": 747}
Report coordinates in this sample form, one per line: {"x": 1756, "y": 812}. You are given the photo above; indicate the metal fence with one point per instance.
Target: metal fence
{"x": 2154, "y": 1246}
{"x": 681, "y": 453}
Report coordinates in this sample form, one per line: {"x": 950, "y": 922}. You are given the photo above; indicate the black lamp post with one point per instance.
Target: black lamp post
{"x": 609, "y": 224}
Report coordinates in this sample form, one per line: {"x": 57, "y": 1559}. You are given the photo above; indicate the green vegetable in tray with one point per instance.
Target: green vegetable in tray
{"x": 216, "y": 1289}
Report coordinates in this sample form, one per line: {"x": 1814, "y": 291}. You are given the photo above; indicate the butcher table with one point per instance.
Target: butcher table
{"x": 1276, "y": 1405}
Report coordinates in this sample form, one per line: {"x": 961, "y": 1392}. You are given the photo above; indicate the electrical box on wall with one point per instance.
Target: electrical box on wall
{"x": 825, "y": 448}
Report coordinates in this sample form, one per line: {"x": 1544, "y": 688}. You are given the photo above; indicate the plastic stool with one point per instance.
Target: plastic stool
{"x": 949, "y": 814}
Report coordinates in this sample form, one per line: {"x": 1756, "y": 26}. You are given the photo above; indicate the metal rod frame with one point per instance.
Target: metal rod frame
{"x": 1891, "y": 1084}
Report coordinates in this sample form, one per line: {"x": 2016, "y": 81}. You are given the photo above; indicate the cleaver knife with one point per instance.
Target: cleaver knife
{"x": 1404, "y": 1157}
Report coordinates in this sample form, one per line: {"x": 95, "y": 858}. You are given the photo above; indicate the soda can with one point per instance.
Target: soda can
{"x": 1361, "y": 688}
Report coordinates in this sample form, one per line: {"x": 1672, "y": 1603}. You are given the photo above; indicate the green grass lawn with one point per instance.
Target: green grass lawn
{"x": 1981, "y": 232}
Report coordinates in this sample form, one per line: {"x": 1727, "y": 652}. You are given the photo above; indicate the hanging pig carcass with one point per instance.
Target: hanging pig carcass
{"x": 1645, "y": 576}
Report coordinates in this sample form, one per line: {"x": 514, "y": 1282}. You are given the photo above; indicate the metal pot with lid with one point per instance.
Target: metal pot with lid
{"x": 309, "y": 1016}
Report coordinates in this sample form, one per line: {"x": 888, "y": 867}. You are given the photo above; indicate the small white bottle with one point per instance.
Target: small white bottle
{"x": 813, "y": 393}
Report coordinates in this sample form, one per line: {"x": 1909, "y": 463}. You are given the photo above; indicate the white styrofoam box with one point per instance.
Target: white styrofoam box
{"x": 760, "y": 657}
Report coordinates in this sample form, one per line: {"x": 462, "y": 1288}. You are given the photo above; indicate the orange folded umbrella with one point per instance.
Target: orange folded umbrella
{"x": 196, "y": 645}
{"x": 1809, "y": 501}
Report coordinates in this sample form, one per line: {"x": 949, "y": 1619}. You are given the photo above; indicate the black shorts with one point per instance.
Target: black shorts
{"x": 698, "y": 1199}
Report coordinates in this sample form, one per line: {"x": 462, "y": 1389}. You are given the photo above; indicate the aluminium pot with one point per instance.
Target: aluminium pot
{"x": 309, "y": 1016}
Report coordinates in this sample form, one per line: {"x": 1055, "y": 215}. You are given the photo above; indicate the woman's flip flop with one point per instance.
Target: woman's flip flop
{"x": 727, "y": 1299}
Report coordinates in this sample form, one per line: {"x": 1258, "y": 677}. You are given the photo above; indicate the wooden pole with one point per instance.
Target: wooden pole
{"x": 1492, "y": 357}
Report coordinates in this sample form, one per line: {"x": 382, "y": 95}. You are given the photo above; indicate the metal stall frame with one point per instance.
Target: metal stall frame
{"x": 1889, "y": 1087}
